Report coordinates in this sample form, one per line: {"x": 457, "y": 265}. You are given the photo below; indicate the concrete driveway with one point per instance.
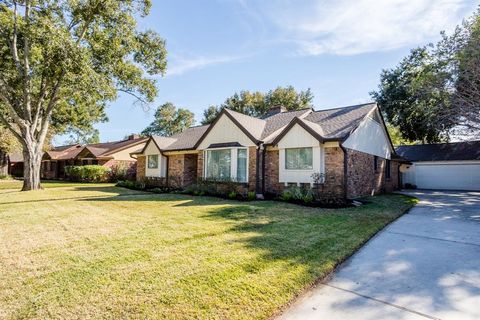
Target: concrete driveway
{"x": 425, "y": 265}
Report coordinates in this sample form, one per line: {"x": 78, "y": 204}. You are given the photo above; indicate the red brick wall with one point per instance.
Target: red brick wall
{"x": 333, "y": 188}
{"x": 271, "y": 172}
{"x": 182, "y": 169}
{"x": 190, "y": 169}
{"x": 252, "y": 168}
{"x": 364, "y": 180}
{"x": 141, "y": 166}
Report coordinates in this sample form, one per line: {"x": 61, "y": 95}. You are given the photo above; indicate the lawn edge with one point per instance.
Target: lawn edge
{"x": 329, "y": 275}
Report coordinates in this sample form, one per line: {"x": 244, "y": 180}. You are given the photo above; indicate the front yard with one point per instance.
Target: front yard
{"x": 97, "y": 251}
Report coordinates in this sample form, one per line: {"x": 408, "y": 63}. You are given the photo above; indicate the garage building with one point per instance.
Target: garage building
{"x": 443, "y": 166}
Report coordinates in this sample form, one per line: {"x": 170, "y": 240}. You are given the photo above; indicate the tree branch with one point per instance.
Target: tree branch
{"x": 26, "y": 67}
{"x": 13, "y": 43}
{"x": 133, "y": 95}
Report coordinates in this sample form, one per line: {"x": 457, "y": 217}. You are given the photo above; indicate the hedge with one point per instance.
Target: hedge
{"x": 89, "y": 173}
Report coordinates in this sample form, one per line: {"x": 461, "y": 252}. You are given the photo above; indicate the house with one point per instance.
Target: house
{"x": 448, "y": 166}
{"x": 15, "y": 164}
{"x": 107, "y": 154}
{"x": 346, "y": 150}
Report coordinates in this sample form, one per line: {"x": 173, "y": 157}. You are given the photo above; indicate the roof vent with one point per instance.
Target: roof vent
{"x": 275, "y": 110}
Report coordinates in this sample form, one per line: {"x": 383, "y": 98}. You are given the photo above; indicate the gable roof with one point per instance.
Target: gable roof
{"x": 469, "y": 150}
{"x": 331, "y": 124}
{"x": 64, "y": 152}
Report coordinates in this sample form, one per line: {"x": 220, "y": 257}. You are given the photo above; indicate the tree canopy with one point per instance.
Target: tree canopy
{"x": 62, "y": 61}
{"x": 257, "y": 104}
{"x": 434, "y": 92}
{"x": 169, "y": 121}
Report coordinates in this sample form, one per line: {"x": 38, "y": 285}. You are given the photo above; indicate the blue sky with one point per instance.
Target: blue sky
{"x": 336, "y": 48}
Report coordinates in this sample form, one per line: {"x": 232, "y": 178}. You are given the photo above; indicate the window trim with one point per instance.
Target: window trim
{"x": 285, "y": 160}
{"x": 233, "y": 162}
{"x": 148, "y": 162}
{"x": 388, "y": 169}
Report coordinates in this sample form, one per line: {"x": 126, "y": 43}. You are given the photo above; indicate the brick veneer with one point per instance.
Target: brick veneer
{"x": 333, "y": 188}
{"x": 271, "y": 172}
{"x": 363, "y": 179}
{"x": 252, "y": 168}
{"x": 182, "y": 169}
{"x": 141, "y": 166}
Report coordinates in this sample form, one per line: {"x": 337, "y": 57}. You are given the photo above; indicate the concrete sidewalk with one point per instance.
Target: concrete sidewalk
{"x": 425, "y": 265}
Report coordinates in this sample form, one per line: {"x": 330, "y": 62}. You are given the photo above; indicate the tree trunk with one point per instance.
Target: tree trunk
{"x": 3, "y": 163}
{"x": 32, "y": 163}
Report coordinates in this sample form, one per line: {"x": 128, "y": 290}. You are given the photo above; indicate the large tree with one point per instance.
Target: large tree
{"x": 257, "y": 104}
{"x": 169, "y": 120}
{"x": 62, "y": 61}
{"x": 434, "y": 92}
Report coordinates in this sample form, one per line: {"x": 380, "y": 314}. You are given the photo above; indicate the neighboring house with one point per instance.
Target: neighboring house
{"x": 349, "y": 148}
{"x": 448, "y": 166}
{"x": 107, "y": 154}
{"x": 15, "y": 164}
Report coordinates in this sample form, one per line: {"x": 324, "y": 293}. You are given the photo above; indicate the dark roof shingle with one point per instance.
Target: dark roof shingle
{"x": 469, "y": 150}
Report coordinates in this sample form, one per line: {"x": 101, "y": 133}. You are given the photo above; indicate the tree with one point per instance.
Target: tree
{"x": 435, "y": 91}
{"x": 257, "y": 104}
{"x": 414, "y": 97}
{"x": 169, "y": 121}
{"x": 8, "y": 144}
{"x": 396, "y": 136}
{"x": 62, "y": 61}
{"x": 85, "y": 136}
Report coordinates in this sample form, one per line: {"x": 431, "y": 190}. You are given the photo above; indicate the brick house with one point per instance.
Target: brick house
{"x": 106, "y": 154}
{"x": 346, "y": 150}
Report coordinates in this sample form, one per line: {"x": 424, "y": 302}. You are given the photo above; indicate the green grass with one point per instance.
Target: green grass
{"x": 97, "y": 251}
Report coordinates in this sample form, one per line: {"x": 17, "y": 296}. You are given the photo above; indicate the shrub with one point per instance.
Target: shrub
{"x": 126, "y": 184}
{"x": 297, "y": 194}
{"x": 89, "y": 173}
{"x": 122, "y": 172}
{"x": 5, "y": 177}
{"x": 232, "y": 195}
{"x": 251, "y": 196}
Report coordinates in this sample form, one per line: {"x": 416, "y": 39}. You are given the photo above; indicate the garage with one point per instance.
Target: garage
{"x": 446, "y": 166}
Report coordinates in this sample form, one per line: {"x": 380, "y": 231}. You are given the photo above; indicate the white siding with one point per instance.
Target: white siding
{"x": 444, "y": 175}
{"x": 161, "y": 171}
{"x": 297, "y": 137}
{"x": 370, "y": 137}
{"x": 125, "y": 153}
{"x": 225, "y": 131}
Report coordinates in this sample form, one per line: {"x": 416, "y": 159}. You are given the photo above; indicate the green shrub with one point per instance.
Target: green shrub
{"x": 89, "y": 173}
{"x": 122, "y": 172}
{"x": 251, "y": 196}
{"x": 5, "y": 177}
{"x": 232, "y": 195}
{"x": 297, "y": 194}
{"x": 126, "y": 184}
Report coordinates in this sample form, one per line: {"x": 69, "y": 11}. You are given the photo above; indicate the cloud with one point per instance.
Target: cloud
{"x": 347, "y": 27}
{"x": 181, "y": 65}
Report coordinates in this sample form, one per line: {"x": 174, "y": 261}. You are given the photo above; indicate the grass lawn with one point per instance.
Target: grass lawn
{"x": 97, "y": 251}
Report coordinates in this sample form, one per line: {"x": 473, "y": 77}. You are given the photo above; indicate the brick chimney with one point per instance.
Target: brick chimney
{"x": 133, "y": 136}
{"x": 275, "y": 110}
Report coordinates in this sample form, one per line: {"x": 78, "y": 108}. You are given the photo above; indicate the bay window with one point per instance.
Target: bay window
{"x": 227, "y": 164}
{"x": 299, "y": 159}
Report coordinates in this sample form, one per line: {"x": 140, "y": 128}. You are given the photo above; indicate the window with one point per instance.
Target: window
{"x": 153, "y": 161}
{"x": 299, "y": 159}
{"x": 387, "y": 169}
{"x": 375, "y": 163}
{"x": 95, "y": 162}
{"x": 219, "y": 164}
{"x": 242, "y": 165}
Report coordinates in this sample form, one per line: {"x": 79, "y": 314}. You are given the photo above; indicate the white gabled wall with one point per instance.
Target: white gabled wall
{"x": 370, "y": 137}
{"x": 161, "y": 171}
{"x": 298, "y": 137}
{"x": 225, "y": 130}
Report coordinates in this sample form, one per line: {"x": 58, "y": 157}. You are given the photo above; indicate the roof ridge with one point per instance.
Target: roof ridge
{"x": 351, "y": 106}
{"x": 435, "y": 144}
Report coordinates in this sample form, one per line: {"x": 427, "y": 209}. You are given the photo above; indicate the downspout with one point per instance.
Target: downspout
{"x": 264, "y": 152}
{"x": 257, "y": 169}
{"x": 345, "y": 172}
{"x": 166, "y": 169}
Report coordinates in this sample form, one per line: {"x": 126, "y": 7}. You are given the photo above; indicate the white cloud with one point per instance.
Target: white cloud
{"x": 181, "y": 65}
{"x": 347, "y": 27}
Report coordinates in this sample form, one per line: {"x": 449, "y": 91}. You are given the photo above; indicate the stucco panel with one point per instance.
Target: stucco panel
{"x": 225, "y": 131}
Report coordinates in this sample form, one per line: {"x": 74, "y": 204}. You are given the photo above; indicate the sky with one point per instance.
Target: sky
{"x": 335, "y": 48}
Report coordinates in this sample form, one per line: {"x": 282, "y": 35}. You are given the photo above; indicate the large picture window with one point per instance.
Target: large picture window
{"x": 226, "y": 164}
{"x": 219, "y": 164}
{"x": 153, "y": 161}
{"x": 299, "y": 159}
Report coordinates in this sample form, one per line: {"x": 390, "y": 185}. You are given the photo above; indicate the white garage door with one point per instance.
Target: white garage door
{"x": 448, "y": 176}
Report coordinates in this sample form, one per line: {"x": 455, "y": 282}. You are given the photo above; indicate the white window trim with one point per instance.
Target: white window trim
{"x": 296, "y": 170}
{"x": 233, "y": 161}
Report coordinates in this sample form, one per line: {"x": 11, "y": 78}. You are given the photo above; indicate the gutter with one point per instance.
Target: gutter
{"x": 345, "y": 172}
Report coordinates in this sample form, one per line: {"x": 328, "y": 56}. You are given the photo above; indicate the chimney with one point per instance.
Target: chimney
{"x": 133, "y": 136}
{"x": 275, "y": 110}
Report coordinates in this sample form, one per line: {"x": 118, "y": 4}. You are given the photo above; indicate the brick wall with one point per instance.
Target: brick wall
{"x": 271, "y": 173}
{"x": 200, "y": 165}
{"x": 364, "y": 180}
{"x": 182, "y": 169}
{"x": 141, "y": 165}
{"x": 252, "y": 168}
{"x": 190, "y": 169}
{"x": 333, "y": 188}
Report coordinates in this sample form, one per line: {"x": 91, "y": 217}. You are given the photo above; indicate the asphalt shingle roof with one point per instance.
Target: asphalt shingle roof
{"x": 469, "y": 150}
{"x": 187, "y": 139}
